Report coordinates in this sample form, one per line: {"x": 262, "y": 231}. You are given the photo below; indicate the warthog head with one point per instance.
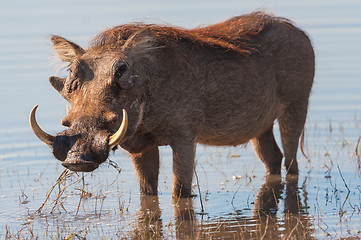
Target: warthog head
{"x": 102, "y": 80}
{"x": 85, "y": 145}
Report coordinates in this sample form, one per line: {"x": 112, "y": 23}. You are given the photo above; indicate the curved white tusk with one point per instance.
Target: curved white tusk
{"x": 117, "y": 137}
{"x": 43, "y": 136}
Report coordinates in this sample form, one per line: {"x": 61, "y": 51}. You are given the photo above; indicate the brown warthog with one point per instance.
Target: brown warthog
{"x": 222, "y": 84}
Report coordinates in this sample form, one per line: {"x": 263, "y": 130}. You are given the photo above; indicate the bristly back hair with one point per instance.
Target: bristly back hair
{"x": 232, "y": 35}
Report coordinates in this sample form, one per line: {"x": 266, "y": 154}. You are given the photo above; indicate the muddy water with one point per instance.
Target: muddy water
{"x": 234, "y": 197}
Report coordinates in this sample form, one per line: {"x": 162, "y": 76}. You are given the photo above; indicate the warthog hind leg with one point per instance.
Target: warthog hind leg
{"x": 291, "y": 125}
{"x": 268, "y": 152}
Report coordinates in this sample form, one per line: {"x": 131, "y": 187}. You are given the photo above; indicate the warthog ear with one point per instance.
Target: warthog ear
{"x": 57, "y": 83}
{"x": 67, "y": 50}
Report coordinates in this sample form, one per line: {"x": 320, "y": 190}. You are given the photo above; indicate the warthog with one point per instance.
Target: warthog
{"x": 222, "y": 84}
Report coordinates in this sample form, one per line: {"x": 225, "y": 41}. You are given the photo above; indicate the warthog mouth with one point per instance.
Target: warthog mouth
{"x": 79, "y": 165}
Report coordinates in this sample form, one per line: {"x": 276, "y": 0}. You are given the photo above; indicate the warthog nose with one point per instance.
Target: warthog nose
{"x": 79, "y": 164}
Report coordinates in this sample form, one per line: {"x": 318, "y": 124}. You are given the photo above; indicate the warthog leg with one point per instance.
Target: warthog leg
{"x": 146, "y": 164}
{"x": 183, "y": 167}
{"x": 268, "y": 152}
{"x": 291, "y": 125}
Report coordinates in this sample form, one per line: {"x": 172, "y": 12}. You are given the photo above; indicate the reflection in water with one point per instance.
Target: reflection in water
{"x": 265, "y": 223}
{"x": 149, "y": 219}
{"x": 295, "y": 222}
{"x": 185, "y": 221}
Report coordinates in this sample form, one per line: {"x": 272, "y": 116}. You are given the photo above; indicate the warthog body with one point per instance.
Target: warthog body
{"x": 222, "y": 84}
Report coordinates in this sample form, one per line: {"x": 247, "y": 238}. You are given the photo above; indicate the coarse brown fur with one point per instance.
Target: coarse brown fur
{"x": 223, "y": 84}
{"x": 234, "y": 34}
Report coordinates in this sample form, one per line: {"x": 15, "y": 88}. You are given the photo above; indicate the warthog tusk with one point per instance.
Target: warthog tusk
{"x": 117, "y": 137}
{"x": 43, "y": 136}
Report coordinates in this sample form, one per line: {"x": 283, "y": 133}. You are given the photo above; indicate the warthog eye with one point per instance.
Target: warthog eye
{"x": 122, "y": 77}
{"x": 120, "y": 70}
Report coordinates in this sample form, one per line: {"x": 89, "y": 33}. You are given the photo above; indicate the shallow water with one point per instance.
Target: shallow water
{"x": 235, "y": 199}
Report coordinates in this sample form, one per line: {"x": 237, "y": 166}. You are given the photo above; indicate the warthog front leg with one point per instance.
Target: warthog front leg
{"x": 183, "y": 167}
{"x": 146, "y": 164}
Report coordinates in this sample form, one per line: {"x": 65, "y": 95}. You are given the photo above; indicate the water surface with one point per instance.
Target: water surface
{"x": 235, "y": 198}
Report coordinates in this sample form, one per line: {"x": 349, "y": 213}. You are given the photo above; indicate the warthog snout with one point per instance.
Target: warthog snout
{"x": 83, "y": 146}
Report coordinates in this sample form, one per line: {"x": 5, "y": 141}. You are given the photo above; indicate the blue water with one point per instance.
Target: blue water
{"x": 28, "y": 170}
